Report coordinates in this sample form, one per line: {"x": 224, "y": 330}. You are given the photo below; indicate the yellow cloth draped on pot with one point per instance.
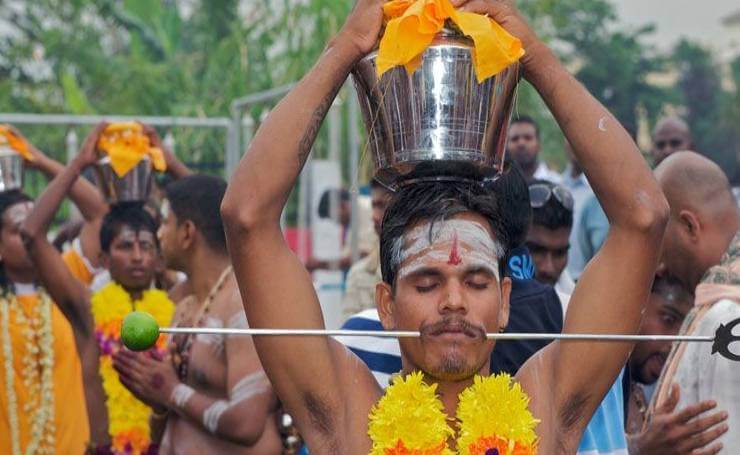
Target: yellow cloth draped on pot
{"x": 16, "y": 143}
{"x": 126, "y": 145}
{"x": 411, "y": 27}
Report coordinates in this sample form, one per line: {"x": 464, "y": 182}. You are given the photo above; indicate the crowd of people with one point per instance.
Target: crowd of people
{"x": 616, "y": 244}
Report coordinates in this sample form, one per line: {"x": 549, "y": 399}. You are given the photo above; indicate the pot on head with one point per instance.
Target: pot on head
{"x": 438, "y": 123}
{"x": 11, "y": 169}
{"x": 135, "y": 185}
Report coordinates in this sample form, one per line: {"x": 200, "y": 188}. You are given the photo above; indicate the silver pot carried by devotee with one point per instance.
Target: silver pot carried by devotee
{"x": 438, "y": 123}
{"x": 135, "y": 185}
{"x": 11, "y": 169}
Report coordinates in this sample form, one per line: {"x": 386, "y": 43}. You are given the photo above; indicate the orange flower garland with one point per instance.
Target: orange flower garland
{"x": 128, "y": 418}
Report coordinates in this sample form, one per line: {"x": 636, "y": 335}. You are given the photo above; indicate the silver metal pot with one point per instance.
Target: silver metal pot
{"x": 135, "y": 185}
{"x": 438, "y": 123}
{"x": 11, "y": 169}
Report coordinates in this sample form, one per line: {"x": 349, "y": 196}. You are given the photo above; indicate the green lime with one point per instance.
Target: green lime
{"x": 139, "y": 331}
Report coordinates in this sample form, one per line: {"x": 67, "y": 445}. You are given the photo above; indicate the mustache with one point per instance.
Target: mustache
{"x": 452, "y": 324}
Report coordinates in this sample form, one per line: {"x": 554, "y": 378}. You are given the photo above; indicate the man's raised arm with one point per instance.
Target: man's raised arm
{"x": 276, "y": 289}
{"x": 69, "y": 293}
{"x": 614, "y": 287}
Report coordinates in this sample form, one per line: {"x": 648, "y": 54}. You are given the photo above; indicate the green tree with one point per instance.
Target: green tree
{"x": 713, "y": 113}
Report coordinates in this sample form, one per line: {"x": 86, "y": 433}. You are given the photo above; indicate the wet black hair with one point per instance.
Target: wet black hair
{"x": 198, "y": 198}
{"x": 342, "y": 195}
{"x": 129, "y": 214}
{"x": 435, "y": 201}
{"x": 528, "y": 120}
{"x": 553, "y": 215}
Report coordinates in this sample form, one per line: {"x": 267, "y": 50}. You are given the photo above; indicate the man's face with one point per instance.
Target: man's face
{"x": 664, "y": 315}
{"x": 523, "y": 145}
{"x": 668, "y": 139}
{"x": 549, "y": 249}
{"x": 168, "y": 237}
{"x": 448, "y": 288}
{"x": 132, "y": 259}
{"x": 380, "y": 198}
{"x": 12, "y": 251}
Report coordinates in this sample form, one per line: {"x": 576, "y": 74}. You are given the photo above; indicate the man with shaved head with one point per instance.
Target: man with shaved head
{"x": 702, "y": 249}
{"x": 671, "y": 134}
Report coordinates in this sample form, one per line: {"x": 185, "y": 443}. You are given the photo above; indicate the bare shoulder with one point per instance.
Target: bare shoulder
{"x": 227, "y": 305}
{"x": 338, "y": 421}
{"x": 561, "y": 418}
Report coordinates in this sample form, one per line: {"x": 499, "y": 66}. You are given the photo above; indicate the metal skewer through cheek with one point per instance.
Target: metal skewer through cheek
{"x": 722, "y": 339}
{"x": 412, "y": 334}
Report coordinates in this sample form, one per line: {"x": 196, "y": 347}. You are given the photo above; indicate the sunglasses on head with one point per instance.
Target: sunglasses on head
{"x": 674, "y": 143}
{"x": 540, "y": 194}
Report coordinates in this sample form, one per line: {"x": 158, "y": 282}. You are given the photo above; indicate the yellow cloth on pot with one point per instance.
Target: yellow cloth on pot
{"x": 126, "y": 145}
{"x": 412, "y": 24}
{"x": 16, "y": 143}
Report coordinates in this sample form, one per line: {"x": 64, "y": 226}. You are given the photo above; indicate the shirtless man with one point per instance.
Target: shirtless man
{"x": 213, "y": 393}
{"x": 451, "y": 301}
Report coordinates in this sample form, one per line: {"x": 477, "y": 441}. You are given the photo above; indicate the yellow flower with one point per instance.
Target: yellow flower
{"x": 493, "y": 407}
{"x": 411, "y": 416}
{"x": 128, "y": 418}
{"x": 492, "y": 413}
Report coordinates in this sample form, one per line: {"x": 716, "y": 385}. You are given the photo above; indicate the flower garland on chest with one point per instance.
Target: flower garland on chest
{"x": 492, "y": 416}
{"x": 35, "y": 322}
{"x": 128, "y": 418}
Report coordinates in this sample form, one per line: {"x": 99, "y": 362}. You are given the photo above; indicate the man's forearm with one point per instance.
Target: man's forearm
{"x": 238, "y": 420}
{"x": 282, "y": 144}
{"x": 609, "y": 156}
{"x": 48, "y": 203}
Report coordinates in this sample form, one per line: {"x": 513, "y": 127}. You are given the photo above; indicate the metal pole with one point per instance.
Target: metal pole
{"x": 414, "y": 334}
{"x": 65, "y": 119}
{"x": 261, "y": 97}
{"x": 72, "y": 143}
{"x": 232, "y": 147}
{"x": 354, "y": 152}
{"x": 303, "y": 189}
{"x": 169, "y": 141}
{"x": 335, "y": 130}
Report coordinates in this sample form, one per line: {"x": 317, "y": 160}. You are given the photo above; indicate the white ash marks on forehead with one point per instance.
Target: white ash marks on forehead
{"x": 481, "y": 247}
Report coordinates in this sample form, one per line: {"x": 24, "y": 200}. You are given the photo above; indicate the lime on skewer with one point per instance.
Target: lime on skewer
{"x": 139, "y": 331}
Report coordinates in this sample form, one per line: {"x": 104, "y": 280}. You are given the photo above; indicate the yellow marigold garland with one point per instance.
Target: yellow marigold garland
{"x": 492, "y": 414}
{"x": 128, "y": 418}
{"x": 409, "y": 419}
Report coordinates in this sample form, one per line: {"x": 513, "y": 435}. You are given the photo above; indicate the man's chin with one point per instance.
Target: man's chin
{"x": 454, "y": 368}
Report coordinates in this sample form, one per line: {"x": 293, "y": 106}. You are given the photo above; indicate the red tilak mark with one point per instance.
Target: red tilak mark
{"x": 455, "y": 258}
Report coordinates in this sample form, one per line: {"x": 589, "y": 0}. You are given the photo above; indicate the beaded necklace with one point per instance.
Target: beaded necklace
{"x": 181, "y": 345}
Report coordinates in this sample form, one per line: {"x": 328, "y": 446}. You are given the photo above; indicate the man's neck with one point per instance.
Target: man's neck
{"x": 449, "y": 391}
{"x": 530, "y": 170}
{"x": 204, "y": 267}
